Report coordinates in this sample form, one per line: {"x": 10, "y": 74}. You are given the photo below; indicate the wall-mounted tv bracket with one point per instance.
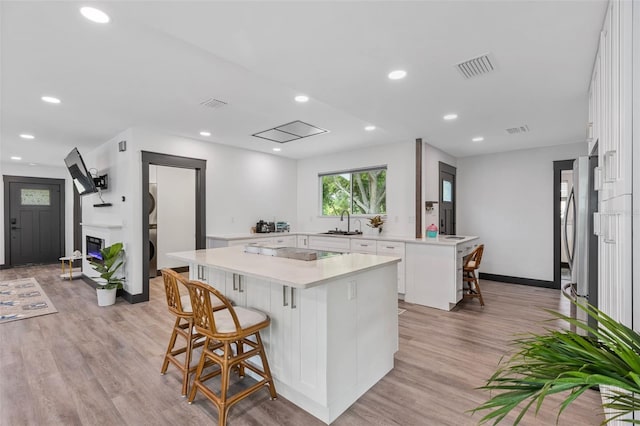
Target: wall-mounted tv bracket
{"x": 101, "y": 182}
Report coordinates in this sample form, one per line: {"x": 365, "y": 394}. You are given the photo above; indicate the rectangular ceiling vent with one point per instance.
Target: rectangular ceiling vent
{"x": 475, "y": 67}
{"x": 290, "y": 132}
{"x": 213, "y": 103}
{"x": 518, "y": 130}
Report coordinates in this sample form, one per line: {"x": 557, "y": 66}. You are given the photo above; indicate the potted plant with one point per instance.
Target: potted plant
{"x": 562, "y": 361}
{"x": 376, "y": 222}
{"x": 109, "y": 282}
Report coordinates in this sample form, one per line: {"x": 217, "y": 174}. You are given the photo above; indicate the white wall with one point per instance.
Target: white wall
{"x": 176, "y": 207}
{"x": 242, "y": 186}
{"x": 431, "y": 158}
{"x": 507, "y": 200}
{"x": 17, "y": 169}
{"x": 400, "y": 162}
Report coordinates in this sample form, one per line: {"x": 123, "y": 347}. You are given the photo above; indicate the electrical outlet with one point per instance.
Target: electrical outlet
{"x": 351, "y": 290}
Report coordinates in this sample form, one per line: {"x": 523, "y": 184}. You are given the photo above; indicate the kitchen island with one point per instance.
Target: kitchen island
{"x": 334, "y": 321}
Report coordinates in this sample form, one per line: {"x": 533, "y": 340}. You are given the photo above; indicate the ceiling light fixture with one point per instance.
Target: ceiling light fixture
{"x": 450, "y": 116}
{"x": 27, "y": 136}
{"x": 477, "y": 139}
{"x": 370, "y": 128}
{"x": 205, "y": 133}
{"x": 16, "y": 158}
{"x": 277, "y": 149}
{"x": 302, "y": 98}
{"x": 95, "y": 15}
{"x": 397, "y": 74}
{"x": 50, "y": 99}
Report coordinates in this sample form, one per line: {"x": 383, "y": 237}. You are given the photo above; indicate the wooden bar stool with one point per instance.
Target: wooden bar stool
{"x": 180, "y": 306}
{"x": 471, "y": 284}
{"x": 231, "y": 326}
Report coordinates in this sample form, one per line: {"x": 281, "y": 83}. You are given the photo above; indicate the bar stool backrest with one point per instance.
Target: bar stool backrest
{"x": 203, "y": 317}
{"x": 171, "y": 280}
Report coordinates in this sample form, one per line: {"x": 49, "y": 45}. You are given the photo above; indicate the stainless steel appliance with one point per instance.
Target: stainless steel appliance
{"x": 582, "y": 248}
{"x": 153, "y": 230}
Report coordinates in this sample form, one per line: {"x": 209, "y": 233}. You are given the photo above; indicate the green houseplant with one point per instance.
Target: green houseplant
{"x": 109, "y": 282}
{"x": 563, "y": 361}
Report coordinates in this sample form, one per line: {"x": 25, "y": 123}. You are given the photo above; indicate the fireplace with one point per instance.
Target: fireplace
{"x": 94, "y": 245}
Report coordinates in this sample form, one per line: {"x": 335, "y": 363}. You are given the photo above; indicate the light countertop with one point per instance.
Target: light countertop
{"x": 291, "y": 272}
{"x": 439, "y": 240}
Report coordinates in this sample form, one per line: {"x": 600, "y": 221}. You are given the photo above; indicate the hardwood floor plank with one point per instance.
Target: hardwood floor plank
{"x": 88, "y": 365}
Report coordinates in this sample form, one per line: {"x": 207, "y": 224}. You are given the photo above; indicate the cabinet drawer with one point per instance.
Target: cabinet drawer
{"x": 390, "y": 248}
{"x": 251, "y": 241}
{"x": 329, "y": 243}
{"x": 363, "y": 246}
{"x": 288, "y": 241}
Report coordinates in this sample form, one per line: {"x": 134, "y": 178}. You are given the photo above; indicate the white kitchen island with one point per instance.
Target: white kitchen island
{"x": 334, "y": 321}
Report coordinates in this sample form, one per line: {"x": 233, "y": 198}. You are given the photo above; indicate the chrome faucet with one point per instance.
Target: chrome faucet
{"x": 348, "y": 219}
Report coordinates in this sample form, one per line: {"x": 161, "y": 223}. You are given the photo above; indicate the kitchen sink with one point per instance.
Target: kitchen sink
{"x": 339, "y": 232}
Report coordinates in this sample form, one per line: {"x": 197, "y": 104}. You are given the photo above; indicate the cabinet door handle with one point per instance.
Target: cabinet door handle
{"x": 293, "y": 300}
{"x": 284, "y": 296}
{"x": 364, "y": 245}
{"x": 391, "y": 247}
{"x": 235, "y": 287}
{"x": 305, "y": 241}
{"x": 240, "y": 284}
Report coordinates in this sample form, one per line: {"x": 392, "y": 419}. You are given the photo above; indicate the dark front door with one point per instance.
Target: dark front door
{"x": 447, "y": 199}
{"x": 35, "y": 220}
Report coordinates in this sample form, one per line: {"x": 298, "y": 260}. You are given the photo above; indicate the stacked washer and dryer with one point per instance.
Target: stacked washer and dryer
{"x": 153, "y": 230}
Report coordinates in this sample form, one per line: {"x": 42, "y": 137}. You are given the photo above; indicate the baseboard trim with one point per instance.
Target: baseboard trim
{"x": 131, "y": 298}
{"x": 518, "y": 280}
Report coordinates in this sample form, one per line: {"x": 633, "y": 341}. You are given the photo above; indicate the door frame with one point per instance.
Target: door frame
{"x": 448, "y": 168}
{"x": 8, "y": 179}
{"x": 158, "y": 159}
{"x": 558, "y": 167}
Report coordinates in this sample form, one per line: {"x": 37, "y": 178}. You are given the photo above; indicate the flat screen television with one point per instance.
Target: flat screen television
{"x": 82, "y": 179}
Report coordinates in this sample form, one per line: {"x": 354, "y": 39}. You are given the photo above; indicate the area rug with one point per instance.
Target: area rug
{"x": 23, "y": 298}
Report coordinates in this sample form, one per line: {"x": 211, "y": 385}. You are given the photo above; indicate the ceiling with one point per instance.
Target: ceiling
{"x": 156, "y": 62}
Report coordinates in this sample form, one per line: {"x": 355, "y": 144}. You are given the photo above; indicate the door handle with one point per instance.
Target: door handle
{"x": 15, "y": 227}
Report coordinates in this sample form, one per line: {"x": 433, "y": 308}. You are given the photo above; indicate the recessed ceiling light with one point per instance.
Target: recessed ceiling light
{"x": 450, "y": 116}
{"x": 94, "y": 15}
{"x": 50, "y": 99}
{"x": 16, "y": 158}
{"x": 370, "y": 128}
{"x": 277, "y": 149}
{"x": 26, "y": 136}
{"x": 301, "y": 98}
{"x": 478, "y": 139}
{"x": 205, "y": 133}
{"x": 397, "y": 74}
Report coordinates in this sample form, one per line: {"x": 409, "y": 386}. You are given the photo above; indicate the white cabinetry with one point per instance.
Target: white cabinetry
{"x": 329, "y": 243}
{"x": 303, "y": 241}
{"x": 279, "y": 239}
{"x": 613, "y": 115}
{"x": 396, "y": 249}
{"x": 363, "y": 246}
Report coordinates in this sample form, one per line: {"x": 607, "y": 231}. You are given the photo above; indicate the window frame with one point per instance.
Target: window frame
{"x": 351, "y": 172}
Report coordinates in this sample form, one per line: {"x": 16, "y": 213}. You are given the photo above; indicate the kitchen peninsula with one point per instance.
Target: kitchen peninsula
{"x": 334, "y": 321}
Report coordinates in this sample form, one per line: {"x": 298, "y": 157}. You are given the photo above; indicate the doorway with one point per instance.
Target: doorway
{"x": 447, "y": 184}
{"x": 34, "y": 220}
{"x": 200, "y": 168}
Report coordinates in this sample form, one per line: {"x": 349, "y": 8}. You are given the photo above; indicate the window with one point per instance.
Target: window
{"x": 35, "y": 197}
{"x": 362, "y": 191}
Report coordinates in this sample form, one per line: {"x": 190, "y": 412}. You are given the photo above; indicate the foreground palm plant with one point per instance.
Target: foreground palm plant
{"x": 563, "y": 361}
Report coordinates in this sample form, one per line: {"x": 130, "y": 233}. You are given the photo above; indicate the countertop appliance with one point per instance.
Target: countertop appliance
{"x": 582, "y": 249}
{"x": 263, "y": 227}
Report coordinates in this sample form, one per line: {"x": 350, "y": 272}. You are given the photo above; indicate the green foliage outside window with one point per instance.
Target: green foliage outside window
{"x": 358, "y": 192}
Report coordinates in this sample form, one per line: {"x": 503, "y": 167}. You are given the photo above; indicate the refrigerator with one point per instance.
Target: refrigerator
{"x": 581, "y": 244}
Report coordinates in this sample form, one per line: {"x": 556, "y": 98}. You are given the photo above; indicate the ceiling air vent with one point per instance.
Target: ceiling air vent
{"x": 290, "y": 132}
{"x": 518, "y": 130}
{"x": 213, "y": 103}
{"x": 475, "y": 67}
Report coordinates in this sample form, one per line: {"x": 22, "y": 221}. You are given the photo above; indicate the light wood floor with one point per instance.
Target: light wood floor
{"x": 87, "y": 365}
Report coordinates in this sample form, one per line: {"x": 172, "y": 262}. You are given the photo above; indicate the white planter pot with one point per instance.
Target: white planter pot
{"x": 106, "y": 297}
